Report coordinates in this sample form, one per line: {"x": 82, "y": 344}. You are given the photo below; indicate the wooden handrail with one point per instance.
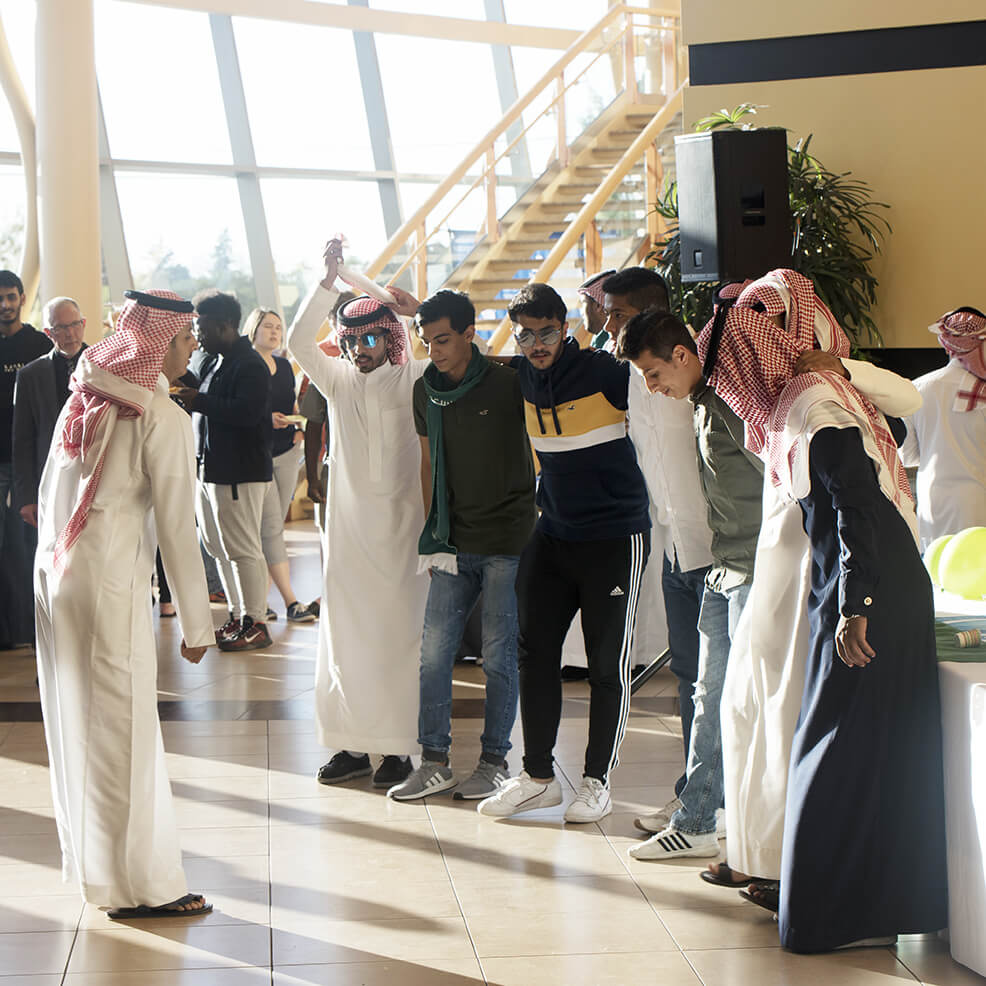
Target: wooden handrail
{"x": 596, "y": 201}
{"x": 582, "y": 43}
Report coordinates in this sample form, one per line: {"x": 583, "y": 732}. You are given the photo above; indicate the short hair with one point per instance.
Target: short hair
{"x": 8, "y": 279}
{"x": 218, "y": 305}
{"x": 538, "y": 301}
{"x": 253, "y": 320}
{"x": 641, "y": 286}
{"x": 453, "y": 305}
{"x": 343, "y": 299}
{"x": 655, "y": 330}
{"x": 49, "y": 308}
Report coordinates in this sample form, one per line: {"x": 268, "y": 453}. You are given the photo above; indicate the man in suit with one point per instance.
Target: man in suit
{"x": 39, "y": 394}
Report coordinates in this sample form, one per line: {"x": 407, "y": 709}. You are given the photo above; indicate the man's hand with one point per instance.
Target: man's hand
{"x": 815, "y": 361}
{"x": 29, "y": 514}
{"x": 850, "y": 642}
{"x": 280, "y": 420}
{"x": 332, "y": 256}
{"x": 184, "y": 395}
{"x": 192, "y": 654}
{"x": 315, "y": 492}
{"x": 407, "y": 304}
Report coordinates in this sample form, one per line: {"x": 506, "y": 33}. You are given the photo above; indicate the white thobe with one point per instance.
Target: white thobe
{"x": 373, "y": 600}
{"x": 97, "y": 664}
{"x": 765, "y": 676}
{"x": 948, "y": 448}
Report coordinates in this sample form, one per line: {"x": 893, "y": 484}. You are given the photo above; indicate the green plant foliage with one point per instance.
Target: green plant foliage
{"x": 838, "y": 231}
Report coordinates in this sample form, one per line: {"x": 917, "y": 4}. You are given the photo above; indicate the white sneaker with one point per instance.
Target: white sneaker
{"x": 521, "y": 793}
{"x": 591, "y": 803}
{"x": 661, "y": 818}
{"x": 720, "y": 823}
{"x": 670, "y": 843}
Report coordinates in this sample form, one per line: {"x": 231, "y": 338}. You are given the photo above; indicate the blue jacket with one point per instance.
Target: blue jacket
{"x": 591, "y": 487}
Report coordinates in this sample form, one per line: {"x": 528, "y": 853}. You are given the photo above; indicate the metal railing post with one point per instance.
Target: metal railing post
{"x": 421, "y": 266}
{"x": 492, "y": 222}
{"x": 561, "y": 121}
{"x": 630, "y": 60}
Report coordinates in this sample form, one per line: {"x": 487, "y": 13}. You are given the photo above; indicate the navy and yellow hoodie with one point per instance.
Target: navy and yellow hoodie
{"x": 590, "y": 488}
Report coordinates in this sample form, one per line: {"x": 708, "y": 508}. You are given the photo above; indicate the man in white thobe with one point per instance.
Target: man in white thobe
{"x": 946, "y": 438}
{"x": 373, "y": 599}
{"x": 121, "y": 466}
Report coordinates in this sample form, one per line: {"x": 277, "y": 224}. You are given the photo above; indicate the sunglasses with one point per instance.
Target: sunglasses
{"x": 367, "y": 339}
{"x": 526, "y": 338}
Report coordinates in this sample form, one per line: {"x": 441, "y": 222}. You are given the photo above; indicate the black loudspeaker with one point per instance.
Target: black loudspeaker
{"x": 734, "y": 213}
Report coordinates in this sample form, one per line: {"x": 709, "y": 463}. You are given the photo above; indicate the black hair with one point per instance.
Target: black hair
{"x": 538, "y": 301}
{"x": 453, "y": 305}
{"x": 220, "y": 306}
{"x": 8, "y": 279}
{"x": 343, "y": 299}
{"x": 654, "y": 330}
{"x": 642, "y": 288}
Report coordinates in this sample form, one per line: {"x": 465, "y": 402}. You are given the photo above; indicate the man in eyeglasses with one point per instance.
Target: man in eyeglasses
{"x": 40, "y": 392}
{"x": 587, "y": 553}
{"x": 373, "y": 599}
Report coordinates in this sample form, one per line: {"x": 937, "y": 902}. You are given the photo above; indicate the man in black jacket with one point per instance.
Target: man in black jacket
{"x": 233, "y": 433}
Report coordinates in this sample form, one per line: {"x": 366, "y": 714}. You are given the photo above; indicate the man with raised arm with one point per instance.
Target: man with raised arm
{"x": 373, "y": 599}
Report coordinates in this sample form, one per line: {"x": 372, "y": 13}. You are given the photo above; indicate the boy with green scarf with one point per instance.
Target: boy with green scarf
{"x": 477, "y": 480}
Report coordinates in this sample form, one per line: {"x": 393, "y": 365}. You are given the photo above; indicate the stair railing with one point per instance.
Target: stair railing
{"x": 421, "y": 228}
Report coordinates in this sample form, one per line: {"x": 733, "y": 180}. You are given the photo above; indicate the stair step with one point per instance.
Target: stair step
{"x": 558, "y": 208}
{"x": 534, "y": 226}
{"x": 519, "y": 263}
{"x": 587, "y": 185}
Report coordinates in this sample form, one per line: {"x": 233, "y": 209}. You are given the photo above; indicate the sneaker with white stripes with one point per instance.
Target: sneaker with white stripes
{"x": 430, "y": 778}
{"x": 591, "y": 803}
{"x": 485, "y": 780}
{"x": 670, "y": 843}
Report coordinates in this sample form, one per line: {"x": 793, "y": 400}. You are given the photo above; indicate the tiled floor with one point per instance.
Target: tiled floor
{"x": 338, "y": 885}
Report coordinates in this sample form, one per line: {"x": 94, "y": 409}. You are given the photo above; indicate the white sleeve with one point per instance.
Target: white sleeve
{"x": 910, "y": 451}
{"x": 322, "y": 370}
{"x": 891, "y": 393}
{"x": 169, "y": 461}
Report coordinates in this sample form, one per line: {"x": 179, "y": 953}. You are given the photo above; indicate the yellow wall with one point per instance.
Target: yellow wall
{"x": 915, "y": 137}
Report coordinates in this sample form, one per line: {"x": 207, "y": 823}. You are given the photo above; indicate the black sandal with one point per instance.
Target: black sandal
{"x": 172, "y": 910}
{"x": 722, "y": 876}
{"x": 766, "y": 895}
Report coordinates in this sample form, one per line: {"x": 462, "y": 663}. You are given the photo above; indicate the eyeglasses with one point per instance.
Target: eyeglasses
{"x": 78, "y": 323}
{"x": 526, "y": 338}
{"x": 367, "y": 339}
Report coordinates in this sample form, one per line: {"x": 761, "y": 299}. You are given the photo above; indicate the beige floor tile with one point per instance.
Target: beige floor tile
{"x": 356, "y": 899}
{"x": 306, "y": 742}
{"x": 512, "y": 933}
{"x": 641, "y": 800}
{"x": 243, "y": 905}
{"x": 349, "y": 839}
{"x": 431, "y": 972}
{"x": 39, "y": 953}
{"x": 225, "y": 788}
{"x": 248, "y": 744}
{"x": 30, "y": 980}
{"x": 741, "y": 925}
{"x": 251, "y": 768}
{"x": 187, "y": 946}
{"x": 33, "y": 880}
{"x": 636, "y": 775}
{"x": 239, "y": 813}
{"x": 409, "y": 865}
{"x": 227, "y": 872}
{"x": 243, "y": 976}
{"x": 256, "y": 686}
{"x": 636, "y": 968}
{"x": 346, "y": 806}
{"x": 26, "y": 731}
{"x": 930, "y": 961}
{"x": 20, "y": 915}
{"x": 213, "y": 727}
{"x": 41, "y": 848}
{"x": 676, "y": 885}
{"x": 282, "y": 727}
{"x": 468, "y": 827}
{"x": 5, "y": 728}
{"x": 775, "y": 967}
{"x": 323, "y": 941}
{"x": 245, "y": 841}
{"x": 33, "y": 819}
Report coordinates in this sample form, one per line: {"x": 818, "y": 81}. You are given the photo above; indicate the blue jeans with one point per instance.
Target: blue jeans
{"x": 450, "y": 599}
{"x": 702, "y": 793}
{"x": 683, "y": 592}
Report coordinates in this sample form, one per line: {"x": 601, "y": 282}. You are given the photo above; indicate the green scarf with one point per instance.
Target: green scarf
{"x": 435, "y": 536}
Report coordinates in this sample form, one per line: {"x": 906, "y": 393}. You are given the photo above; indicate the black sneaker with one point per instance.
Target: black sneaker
{"x": 251, "y": 636}
{"x": 271, "y": 615}
{"x": 392, "y": 770}
{"x": 344, "y": 767}
{"x": 228, "y": 630}
{"x": 300, "y": 614}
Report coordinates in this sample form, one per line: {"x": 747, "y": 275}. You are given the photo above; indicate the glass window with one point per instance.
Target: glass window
{"x": 579, "y": 14}
{"x": 18, "y": 25}
{"x": 303, "y": 95}
{"x": 441, "y": 99}
{"x": 12, "y": 211}
{"x": 162, "y": 100}
{"x": 185, "y": 232}
{"x": 471, "y": 9}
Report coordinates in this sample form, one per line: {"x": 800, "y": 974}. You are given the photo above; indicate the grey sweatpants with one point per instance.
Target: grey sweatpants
{"x": 230, "y": 529}
{"x": 277, "y": 499}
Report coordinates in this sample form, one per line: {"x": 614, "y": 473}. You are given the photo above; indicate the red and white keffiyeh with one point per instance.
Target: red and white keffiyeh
{"x": 754, "y": 375}
{"x": 364, "y": 314}
{"x": 593, "y": 287}
{"x": 963, "y": 335}
{"x": 115, "y": 378}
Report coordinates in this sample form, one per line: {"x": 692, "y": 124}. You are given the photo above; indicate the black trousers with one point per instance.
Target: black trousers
{"x": 556, "y": 579}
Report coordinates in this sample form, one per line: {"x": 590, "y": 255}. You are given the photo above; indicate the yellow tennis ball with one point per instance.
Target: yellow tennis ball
{"x": 932, "y": 556}
{"x": 962, "y": 565}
